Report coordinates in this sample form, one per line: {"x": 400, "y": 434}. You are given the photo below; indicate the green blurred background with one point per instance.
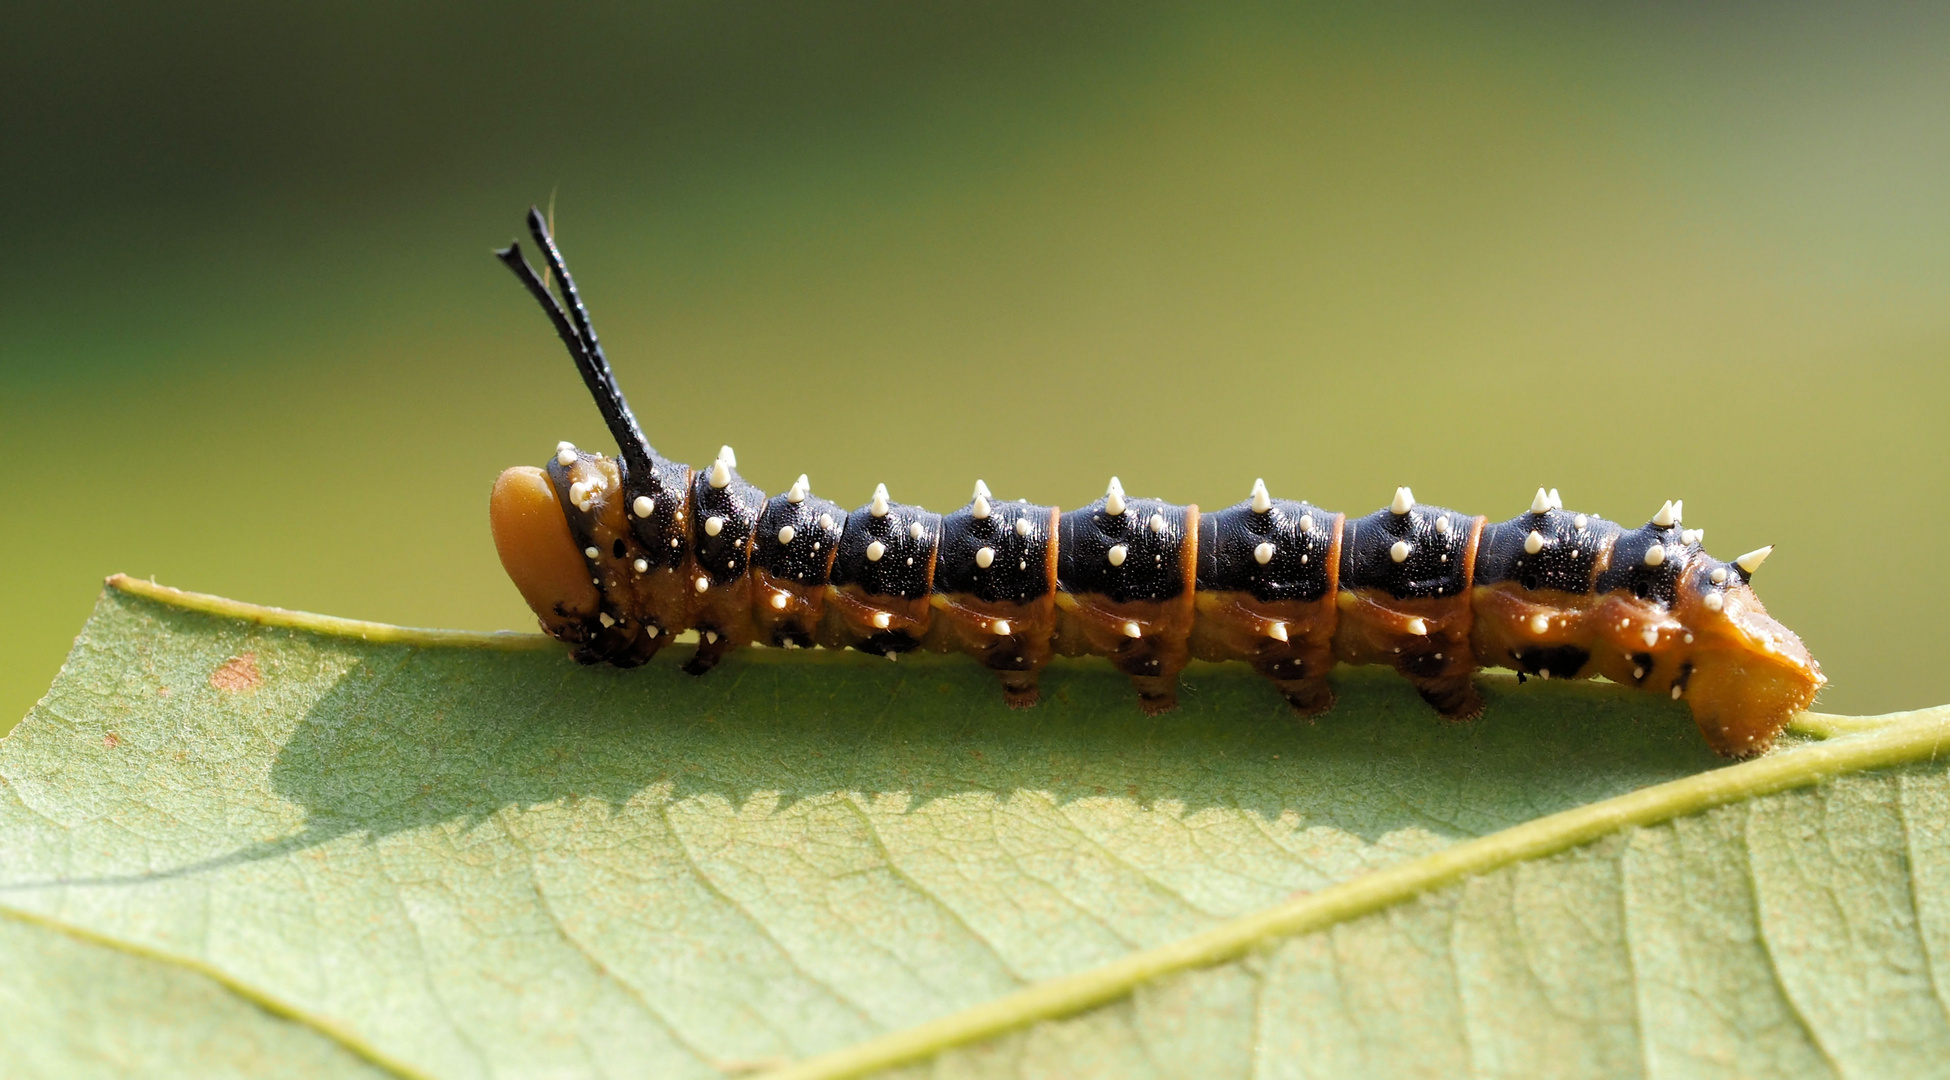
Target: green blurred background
{"x": 254, "y": 343}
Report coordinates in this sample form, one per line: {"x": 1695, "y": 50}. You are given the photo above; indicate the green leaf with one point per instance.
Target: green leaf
{"x": 343, "y": 846}
{"x": 73, "y": 1005}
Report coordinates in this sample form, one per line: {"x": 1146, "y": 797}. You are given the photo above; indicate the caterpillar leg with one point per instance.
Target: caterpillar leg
{"x": 723, "y": 619}
{"x": 1309, "y": 694}
{"x": 711, "y": 647}
{"x": 1021, "y": 693}
{"x": 875, "y": 625}
{"x": 786, "y": 613}
{"x": 1289, "y": 642}
{"x": 1425, "y": 640}
{"x": 1157, "y": 694}
{"x": 1453, "y": 697}
{"x": 1009, "y": 638}
{"x": 1146, "y": 640}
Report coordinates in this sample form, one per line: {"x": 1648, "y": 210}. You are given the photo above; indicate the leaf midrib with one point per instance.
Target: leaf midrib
{"x": 1894, "y": 740}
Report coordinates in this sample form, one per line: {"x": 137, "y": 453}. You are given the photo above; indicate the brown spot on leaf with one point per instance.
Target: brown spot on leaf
{"x": 238, "y": 674}
{"x": 111, "y": 740}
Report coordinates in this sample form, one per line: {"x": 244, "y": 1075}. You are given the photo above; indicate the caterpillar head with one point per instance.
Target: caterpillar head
{"x": 1750, "y": 674}
{"x": 530, "y": 510}
{"x": 532, "y": 537}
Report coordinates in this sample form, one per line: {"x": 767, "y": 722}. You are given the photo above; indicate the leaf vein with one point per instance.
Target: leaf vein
{"x": 261, "y": 999}
{"x": 710, "y": 885}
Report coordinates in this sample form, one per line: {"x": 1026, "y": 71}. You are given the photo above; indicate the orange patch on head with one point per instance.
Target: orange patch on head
{"x": 532, "y": 538}
{"x": 238, "y": 674}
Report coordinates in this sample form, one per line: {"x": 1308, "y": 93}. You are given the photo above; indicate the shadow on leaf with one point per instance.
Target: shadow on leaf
{"x": 409, "y": 739}
{"x": 405, "y": 738}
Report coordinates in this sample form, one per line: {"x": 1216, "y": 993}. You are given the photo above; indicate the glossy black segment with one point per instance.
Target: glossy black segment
{"x": 1436, "y": 541}
{"x": 1230, "y": 542}
{"x": 904, "y": 567}
{"x": 1566, "y": 561}
{"x": 1730, "y": 575}
{"x": 816, "y": 527}
{"x": 1151, "y": 567}
{"x": 619, "y": 642}
{"x": 662, "y": 535}
{"x": 735, "y": 507}
{"x": 582, "y": 523}
{"x": 1018, "y": 562}
{"x": 1629, "y": 571}
{"x": 1556, "y": 661}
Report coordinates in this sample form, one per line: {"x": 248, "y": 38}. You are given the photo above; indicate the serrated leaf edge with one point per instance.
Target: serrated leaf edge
{"x": 1896, "y": 739}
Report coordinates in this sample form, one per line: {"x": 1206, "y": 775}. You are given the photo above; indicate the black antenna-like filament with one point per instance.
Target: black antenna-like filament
{"x": 580, "y": 338}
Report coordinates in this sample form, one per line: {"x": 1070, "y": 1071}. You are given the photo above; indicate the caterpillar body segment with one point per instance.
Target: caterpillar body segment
{"x": 994, "y": 592}
{"x": 1267, "y": 589}
{"x": 792, "y": 560}
{"x": 1126, "y": 577}
{"x": 1405, "y": 599}
{"x": 617, "y": 556}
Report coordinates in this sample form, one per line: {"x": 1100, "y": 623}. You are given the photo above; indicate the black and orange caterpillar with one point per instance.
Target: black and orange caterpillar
{"x": 617, "y": 556}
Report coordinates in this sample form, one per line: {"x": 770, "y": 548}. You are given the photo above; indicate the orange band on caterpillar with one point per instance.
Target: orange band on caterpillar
{"x": 1284, "y": 586}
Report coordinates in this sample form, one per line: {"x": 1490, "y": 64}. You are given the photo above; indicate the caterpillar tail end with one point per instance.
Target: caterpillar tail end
{"x": 1742, "y": 701}
{"x": 1750, "y": 675}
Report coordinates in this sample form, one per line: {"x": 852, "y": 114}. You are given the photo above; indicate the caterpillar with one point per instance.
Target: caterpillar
{"x": 616, "y": 556}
